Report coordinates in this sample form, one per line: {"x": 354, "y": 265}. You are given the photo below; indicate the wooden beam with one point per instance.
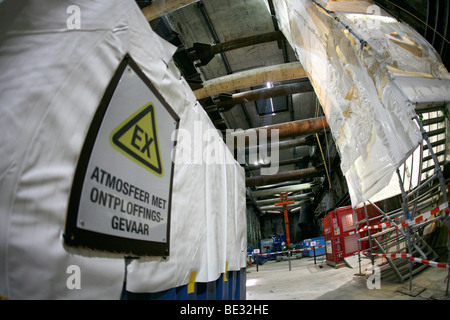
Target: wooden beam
{"x": 159, "y": 8}
{"x": 249, "y": 78}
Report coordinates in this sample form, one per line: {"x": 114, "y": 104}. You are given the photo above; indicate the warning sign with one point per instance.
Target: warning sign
{"x": 121, "y": 194}
{"x": 137, "y": 139}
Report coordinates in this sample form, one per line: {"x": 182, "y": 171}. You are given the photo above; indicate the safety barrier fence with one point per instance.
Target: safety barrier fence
{"x": 384, "y": 255}
{"x": 410, "y": 257}
{"x": 410, "y": 222}
{"x": 285, "y": 251}
{"x": 288, "y": 252}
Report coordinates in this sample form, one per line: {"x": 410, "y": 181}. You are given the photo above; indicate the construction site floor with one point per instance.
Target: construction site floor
{"x": 308, "y": 281}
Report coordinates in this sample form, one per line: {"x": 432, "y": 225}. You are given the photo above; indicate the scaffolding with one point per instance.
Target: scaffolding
{"x": 402, "y": 229}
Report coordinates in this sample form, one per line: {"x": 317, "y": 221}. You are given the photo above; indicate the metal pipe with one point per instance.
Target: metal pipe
{"x": 279, "y": 163}
{"x": 272, "y": 212}
{"x": 295, "y": 204}
{"x": 406, "y": 217}
{"x": 296, "y": 128}
{"x": 277, "y": 185}
{"x": 292, "y": 188}
{"x": 226, "y": 103}
{"x": 275, "y": 200}
{"x": 280, "y": 145}
{"x": 358, "y": 236}
{"x": 401, "y": 231}
{"x": 295, "y": 209}
{"x": 280, "y": 177}
{"x": 285, "y": 130}
{"x": 370, "y": 238}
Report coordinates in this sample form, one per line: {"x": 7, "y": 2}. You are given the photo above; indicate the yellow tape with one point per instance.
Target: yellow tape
{"x": 191, "y": 284}
{"x": 225, "y": 274}
{"x": 3, "y": 298}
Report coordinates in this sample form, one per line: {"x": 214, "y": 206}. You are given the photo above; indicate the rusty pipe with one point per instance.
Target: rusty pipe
{"x": 285, "y": 130}
{"x": 296, "y": 128}
{"x": 226, "y": 103}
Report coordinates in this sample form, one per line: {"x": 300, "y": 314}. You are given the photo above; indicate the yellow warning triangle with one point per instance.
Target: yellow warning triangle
{"x": 137, "y": 139}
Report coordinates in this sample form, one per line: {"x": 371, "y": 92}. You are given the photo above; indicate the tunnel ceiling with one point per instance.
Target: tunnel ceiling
{"x": 216, "y": 38}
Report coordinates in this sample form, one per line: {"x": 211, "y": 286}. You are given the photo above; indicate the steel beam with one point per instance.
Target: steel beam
{"x": 205, "y": 52}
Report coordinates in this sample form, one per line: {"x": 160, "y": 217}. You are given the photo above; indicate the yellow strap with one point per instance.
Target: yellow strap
{"x": 225, "y": 274}
{"x": 191, "y": 284}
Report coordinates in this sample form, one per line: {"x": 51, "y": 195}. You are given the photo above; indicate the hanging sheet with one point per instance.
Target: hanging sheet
{"x": 367, "y": 81}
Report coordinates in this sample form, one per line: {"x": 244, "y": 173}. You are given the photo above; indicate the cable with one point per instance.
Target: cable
{"x": 324, "y": 162}
{"x": 331, "y": 13}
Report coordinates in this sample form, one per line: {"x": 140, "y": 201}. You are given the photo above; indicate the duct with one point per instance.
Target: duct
{"x": 249, "y": 78}
{"x": 296, "y": 128}
{"x": 285, "y": 130}
{"x": 367, "y": 80}
{"x": 225, "y": 103}
{"x": 280, "y": 177}
{"x": 275, "y": 200}
{"x": 292, "y": 188}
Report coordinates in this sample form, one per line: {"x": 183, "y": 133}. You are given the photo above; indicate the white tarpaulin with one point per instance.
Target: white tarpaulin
{"x": 367, "y": 78}
{"x": 54, "y": 74}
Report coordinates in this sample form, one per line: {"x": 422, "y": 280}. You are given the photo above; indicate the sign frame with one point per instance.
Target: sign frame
{"x": 76, "y": 237}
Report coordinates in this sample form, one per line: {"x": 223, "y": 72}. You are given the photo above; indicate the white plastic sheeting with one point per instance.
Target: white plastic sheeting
{"x": 367, "y": 92}
{"x": 53, "y": 79}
